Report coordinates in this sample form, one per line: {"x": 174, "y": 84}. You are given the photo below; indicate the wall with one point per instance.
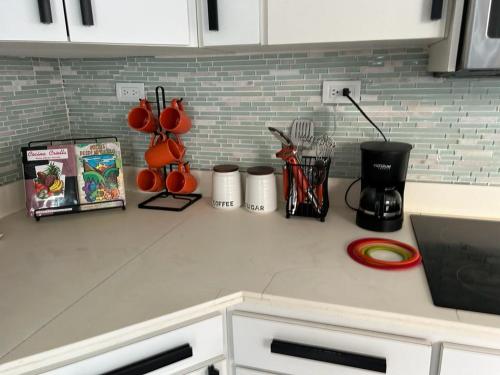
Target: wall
{"x": 32, "y": 107}
{"x": 453, "y": 123}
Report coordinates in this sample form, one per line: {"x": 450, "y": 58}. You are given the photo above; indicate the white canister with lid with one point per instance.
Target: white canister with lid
{"x": 226, "y": 187}
{"x": 260, "y": 196}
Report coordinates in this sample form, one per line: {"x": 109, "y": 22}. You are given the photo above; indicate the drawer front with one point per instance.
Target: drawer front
{"x": 463, "y": 360}
{"x": 295, "y": 348}
{"x": 188, "y": 346}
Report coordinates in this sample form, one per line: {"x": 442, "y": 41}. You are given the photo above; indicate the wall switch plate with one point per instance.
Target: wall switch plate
{"x": 332, "y": 91}
{"x": 129, "y": 92}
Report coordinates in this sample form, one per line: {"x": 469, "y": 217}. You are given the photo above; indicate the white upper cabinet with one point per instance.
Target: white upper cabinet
{"x": 463, "y": 360}
{"x": 149, "y": 22}
{"x": 329, "y": 21}
{"x": 32, "y": 20}
{"x": 229, "y": 22}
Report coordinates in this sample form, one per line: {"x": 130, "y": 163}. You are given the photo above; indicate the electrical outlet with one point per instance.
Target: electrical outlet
{"x": 332, "y": 91}
{"x": 129, "y": 92}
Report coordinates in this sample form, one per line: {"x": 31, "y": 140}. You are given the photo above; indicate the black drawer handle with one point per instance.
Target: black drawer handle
{"x": 87, "y": 15}
{"x": 45, "y": 11}
{"x": 317, "y": 353}
{"x": 436, "y": 9}
{"x": 155, "y": 362}
{"x": 213, "y": 15}
{"x": 212, "y": 370}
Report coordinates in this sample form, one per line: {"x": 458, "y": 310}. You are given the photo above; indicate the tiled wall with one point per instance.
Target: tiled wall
{"x": 32, "y": 107}
{"x": 453, "y": 123}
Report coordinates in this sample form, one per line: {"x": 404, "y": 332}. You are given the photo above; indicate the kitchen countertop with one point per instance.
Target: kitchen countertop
{"x": 69, "y": 278}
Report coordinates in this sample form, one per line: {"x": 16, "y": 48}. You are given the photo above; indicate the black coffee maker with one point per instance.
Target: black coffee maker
{"x": 383, "y": 176}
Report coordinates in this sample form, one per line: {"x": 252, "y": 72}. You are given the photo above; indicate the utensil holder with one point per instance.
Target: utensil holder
{"x": 297, "y": 201}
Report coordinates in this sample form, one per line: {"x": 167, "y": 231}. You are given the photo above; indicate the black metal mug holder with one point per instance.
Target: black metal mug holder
{"x": 310, "y": 172}
{"x": 188, "y": 199}
{"x": 74, "y": 208}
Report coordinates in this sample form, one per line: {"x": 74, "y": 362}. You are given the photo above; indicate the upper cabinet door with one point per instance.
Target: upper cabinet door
{"x": 32, "y": 20}
{"x": 155, "y": 22}
{"x": 229, "y": 22}
{"x": 327, "y": 21}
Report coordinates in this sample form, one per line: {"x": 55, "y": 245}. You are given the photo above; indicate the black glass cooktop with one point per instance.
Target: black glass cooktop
{"x": 461, "y": 259}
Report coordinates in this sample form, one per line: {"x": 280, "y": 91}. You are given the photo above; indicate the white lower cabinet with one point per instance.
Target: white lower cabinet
{"x": 167, "y": 353}
{"x": 246, "y": 371}
{"x": 297, "y": 348}
{"x": 467, "y": 360}
{"x": 219, "y": 368}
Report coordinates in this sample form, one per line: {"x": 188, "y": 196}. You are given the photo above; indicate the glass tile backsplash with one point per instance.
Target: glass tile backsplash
{"x": 453, "y": 123}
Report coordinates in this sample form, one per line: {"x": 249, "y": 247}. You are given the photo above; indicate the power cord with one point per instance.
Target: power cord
{"x": 346, "y": 196}
{"x": 346, "y": 92}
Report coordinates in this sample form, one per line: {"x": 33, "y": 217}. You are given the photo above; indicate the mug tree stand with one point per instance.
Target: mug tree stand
{"x": 169, "y": 201}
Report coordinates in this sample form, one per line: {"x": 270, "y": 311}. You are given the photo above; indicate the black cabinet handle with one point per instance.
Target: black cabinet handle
{"x": 45, "y": 11}
{"x": 213, "y": 15}
{"x": 87, "y": 15}
{"x": 212, "y": 370}
{"x": 317, "y": 353}
{"x": 436, "y": 9}
{"x": 155, "y": 362}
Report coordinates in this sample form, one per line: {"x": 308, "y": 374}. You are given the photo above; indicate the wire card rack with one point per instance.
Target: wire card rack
{"x": 79, "y": 207}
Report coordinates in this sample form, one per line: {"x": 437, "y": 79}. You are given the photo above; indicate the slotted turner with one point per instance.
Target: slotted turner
{"x": 301, "y": 132}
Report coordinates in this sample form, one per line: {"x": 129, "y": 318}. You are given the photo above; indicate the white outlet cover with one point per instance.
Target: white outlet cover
{"x": 332, "y": 91}
{"x": 129, "y": 91}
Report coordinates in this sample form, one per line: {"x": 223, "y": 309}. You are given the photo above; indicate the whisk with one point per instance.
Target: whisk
{"x": 323, "y": 146}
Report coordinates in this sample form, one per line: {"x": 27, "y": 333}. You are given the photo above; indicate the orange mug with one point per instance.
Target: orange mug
{"x": 150, "y": 180}
{"x": 174, "y": 120}
{"x": 163, "y": 151}
{"x": 181, "y": 181}
{"x": 141, "y": 118}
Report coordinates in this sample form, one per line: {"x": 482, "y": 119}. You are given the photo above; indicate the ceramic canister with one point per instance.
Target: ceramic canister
{"x": 260, "y": 194}
{"x": 226, "y": 187}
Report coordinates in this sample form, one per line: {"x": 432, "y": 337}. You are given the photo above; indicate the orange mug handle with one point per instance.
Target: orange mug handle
{"x": 180, "y": 143}
{"x": 152, "y": 141}
{"x": 144, "y": 104}
{"x": 177, "y": 104}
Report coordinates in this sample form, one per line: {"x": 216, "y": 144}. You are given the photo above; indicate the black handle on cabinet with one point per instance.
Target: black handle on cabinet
{"x": 317, "y": 353}
{"x": 45, "y": 11}
{"x": 213, "y": 15}
{"x": 436, "y": 9}
{"x": 212, "y": 370}
{"x": 155, "y": 362}
{"x": 87, "y": 15}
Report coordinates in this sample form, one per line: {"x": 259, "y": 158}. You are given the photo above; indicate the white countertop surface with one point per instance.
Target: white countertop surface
{"x": 69, "y": 278}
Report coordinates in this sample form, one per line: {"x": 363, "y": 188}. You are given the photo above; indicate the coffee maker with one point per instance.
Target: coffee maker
{"x": 383, "y": 176}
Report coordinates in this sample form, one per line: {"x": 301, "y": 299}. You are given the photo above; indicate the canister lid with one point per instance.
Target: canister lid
{"x": 226, "y": 168}
{"x": 260, "y": 170}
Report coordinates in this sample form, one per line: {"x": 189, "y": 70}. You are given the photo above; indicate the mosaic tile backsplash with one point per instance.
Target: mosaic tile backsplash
{"x": 453, "y": 123}
{"x": 32, "y": 107}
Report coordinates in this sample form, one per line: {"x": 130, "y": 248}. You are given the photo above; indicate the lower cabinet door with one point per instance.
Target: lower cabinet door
{"x": 246, "y": 371}
{"x": 466, "y": 360}
{"x": 296, "y": 348}
{"x": 219, "y": 368}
